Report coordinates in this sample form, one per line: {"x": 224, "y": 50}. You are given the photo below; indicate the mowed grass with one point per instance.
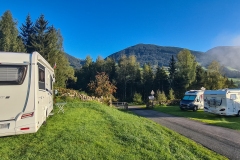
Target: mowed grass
{"x": 89, "y": 130}
{"x": 232, "y": 122}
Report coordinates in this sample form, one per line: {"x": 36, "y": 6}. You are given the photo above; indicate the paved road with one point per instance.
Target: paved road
{"x": 221, "y": 140}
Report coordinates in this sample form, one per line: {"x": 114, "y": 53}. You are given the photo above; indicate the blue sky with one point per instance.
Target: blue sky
{"x": 103, "y": 27}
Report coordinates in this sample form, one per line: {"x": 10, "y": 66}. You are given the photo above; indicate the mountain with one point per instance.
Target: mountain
{"x": 153, "y": 54}
{"x": 227, "y": 56}
{"x": 76, "y": 63}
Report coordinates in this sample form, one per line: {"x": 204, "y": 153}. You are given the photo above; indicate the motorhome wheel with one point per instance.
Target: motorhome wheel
{"x": 195, "y": 108}
{"x": 238, "y": 115}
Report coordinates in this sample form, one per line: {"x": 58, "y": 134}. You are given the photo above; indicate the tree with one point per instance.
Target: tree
{"x": 9, "y": 39}
{"x": 48, "y": 42}
{"x": 214, "y": 78}
{"x": 147, "y": 80}
{"x": 171, "y": 95}
{"x": 231, "y": 84}
{"x": 172, "y": 69}
{"x": 161, "y": 97}
{"x": 27, "y": 31}
{"x": 200, "y": 78}
{"x": 161, "y": 81}
{"x": 110, "y": 68}
{"x": 137, "y": 98}
{"x": 186, "y": 66}
{"x": 102, "y": 86}
{"x": 39, "y": 38}
{"x": 179, "y": 85}
{"x": 126, "y": 73}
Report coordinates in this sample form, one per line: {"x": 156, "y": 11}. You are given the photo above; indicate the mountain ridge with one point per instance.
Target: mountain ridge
{"x": 160, "y": 56}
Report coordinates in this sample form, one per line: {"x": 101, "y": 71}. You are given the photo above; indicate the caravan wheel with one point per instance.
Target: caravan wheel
{"x": 238, "y": 115}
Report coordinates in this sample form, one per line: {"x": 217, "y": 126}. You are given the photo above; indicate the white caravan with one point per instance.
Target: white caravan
{"x": 192, "y": 100}
{"x": 26, "y": 92}
{"x": 222, "y": 102}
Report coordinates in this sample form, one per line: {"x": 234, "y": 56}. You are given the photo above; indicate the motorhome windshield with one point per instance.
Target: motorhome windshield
{"x": 12, "y": 74}
{"x": 189, "y": 97}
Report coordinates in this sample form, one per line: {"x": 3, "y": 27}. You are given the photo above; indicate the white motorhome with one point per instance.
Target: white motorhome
{"x": 26, "y": 92}
{"x": 222, "y": 102}
{"x": 192, "y": 100}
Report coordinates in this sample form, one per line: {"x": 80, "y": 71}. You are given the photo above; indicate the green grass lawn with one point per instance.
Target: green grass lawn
{"x": 90, "y": 130}
{"x": 223, "y": 121}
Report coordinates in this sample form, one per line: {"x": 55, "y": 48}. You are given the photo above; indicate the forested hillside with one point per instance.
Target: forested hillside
{"x": 75, "y": 62}
{"x": 227, "y": 56}
{"x": 152, "y": 54}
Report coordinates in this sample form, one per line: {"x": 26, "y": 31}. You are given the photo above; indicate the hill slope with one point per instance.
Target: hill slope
{"x": 76, "y": 63}
{"x": 228, "y": 56}
{"x": 152, "y": 54}
{"x": 94, "y": 131}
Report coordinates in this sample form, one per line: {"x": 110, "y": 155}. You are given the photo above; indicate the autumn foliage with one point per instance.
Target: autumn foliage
{"x": 102, "y": 86}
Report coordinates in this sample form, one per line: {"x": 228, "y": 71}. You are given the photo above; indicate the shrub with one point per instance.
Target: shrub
{"x": 137, "y": 98}
{"x": 161, "y": 97}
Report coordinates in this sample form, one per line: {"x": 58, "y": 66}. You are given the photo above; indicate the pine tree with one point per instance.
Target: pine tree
{"x": 161, "y": 81}
{"x": 172, "y": 69}
{"x": 39, "y": 38}
{"x": 9, "y": 39}
{"x": 147, "y": 81}
{"x": 200, "y": 78}
{"x": 27, "y": 31}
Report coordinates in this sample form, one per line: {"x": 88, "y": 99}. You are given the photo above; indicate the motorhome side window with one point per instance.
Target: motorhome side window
{"x": 12, "y": 74}
{"x": 233, "y": 96}
{"x": 41, "y": 76}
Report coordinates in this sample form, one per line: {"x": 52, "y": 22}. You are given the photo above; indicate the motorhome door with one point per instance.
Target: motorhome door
{"x": 233, "y": 103}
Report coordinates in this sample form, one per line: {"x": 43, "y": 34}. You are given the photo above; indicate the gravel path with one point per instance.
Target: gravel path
{"x": 221, "y": 140}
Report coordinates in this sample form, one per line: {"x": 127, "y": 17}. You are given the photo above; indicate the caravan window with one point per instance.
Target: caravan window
{"x": 41, "y": 76}
{"x": 12, "y": 74}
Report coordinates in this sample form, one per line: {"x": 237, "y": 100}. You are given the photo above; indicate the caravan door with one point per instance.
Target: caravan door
{"x": 233, "y": 103}
{"x": 42, "y": 98}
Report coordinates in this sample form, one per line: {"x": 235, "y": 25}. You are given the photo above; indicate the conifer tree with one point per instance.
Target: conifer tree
{"x": 39, "y": 38}
{"x": 9, "y": 39}
{"x": 172, "y": 69}
{"x": 27, "y": 32}
{"x": 147, "y": 80}
{"x": 161, "y": 81}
